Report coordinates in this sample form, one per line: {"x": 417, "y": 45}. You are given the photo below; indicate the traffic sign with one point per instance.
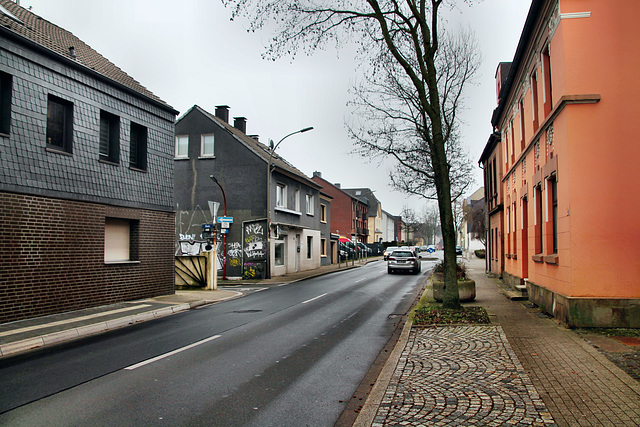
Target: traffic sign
{"x": 228, "y": 219}
{"x": 207, "y": 227}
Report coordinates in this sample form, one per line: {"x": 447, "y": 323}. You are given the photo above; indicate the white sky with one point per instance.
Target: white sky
{"x": 189, "y": 52}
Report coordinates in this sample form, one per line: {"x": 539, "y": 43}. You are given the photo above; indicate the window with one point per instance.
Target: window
{"x": 310, "y": 207}
{"x": 109, "y": 137}
{"x": 120, "y": 240}
{"x": 546, "y": 74}
{"x": 554, "y": 212}
{"x": 138, "y": 153}
{"x": 309, "y": 245}
{"x": 59, "y": 124}
{"x": 206, "y": 145}
{"x": 297, "y": 201}
{"x": 534, "y": 100}
{"x": 522, "y": 136}
{"x": 182, "y": 147}
{"x": 5, "y": 102}
{"x": 323, "y": 247}
{"x": 323, "y": 213}
{"x": 281, "y": 196}
{"x": 538, "y": 219}
{"x": 279, "y": 252}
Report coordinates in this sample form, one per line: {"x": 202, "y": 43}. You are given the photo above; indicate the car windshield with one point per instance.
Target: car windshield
{"x": 402, "y": 254}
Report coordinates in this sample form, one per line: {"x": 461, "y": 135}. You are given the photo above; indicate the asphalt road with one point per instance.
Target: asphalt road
{"x": 286, "y": 356}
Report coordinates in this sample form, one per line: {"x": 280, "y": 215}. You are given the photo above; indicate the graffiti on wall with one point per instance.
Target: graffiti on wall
{"x": 254, "y": 249}
{"x": 254, "y": 241}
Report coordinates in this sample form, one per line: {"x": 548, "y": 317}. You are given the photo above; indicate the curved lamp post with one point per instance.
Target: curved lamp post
{"x": 272, "y": 150}
{"x": 224, "y": 250}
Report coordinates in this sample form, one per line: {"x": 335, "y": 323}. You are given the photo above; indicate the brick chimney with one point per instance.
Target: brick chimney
{"x": 240, "y": 123}
{"x": 222, "y": 112}
{"x": 318, "y": 174}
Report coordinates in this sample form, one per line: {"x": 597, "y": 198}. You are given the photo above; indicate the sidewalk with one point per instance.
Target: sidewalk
{"x": 26, "y": 335}
{"x": 523, "y": 369}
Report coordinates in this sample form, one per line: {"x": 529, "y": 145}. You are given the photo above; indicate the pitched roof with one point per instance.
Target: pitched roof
{"x": 258, "y": 148}
{"x": 55, "y": 40}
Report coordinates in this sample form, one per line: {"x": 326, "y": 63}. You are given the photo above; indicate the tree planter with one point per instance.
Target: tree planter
{"x": 466, "y": 290}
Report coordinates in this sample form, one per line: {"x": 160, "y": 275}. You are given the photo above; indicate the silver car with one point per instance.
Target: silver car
{"x": 404, "y": 259}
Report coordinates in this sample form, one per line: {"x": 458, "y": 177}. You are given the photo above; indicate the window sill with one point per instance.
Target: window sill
{"x": 537, "y": 258}
{"x": 285, "y": 210}
{"x": 551, "y": 259}
{"x": 206, "y": 157}
{"x": 310, "y": 214}
{"x": 120, "y": 262}
{"x": 58, "y": 151}
{"x": 4, "y": 135}
{"x": 109, "y": 162}
{"x": 133, "y": 168}
{"x": 181, "y": 158}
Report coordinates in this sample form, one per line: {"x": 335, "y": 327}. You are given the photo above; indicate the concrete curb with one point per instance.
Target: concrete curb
{"x": 372, "y": 404}
{"x": 17, "y": 347}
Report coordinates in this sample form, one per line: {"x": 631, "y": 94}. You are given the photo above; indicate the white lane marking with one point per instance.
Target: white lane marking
{"x": 313, "y": 299}
{"x": 358, "y": 281}
{"x": 73, "y": 319}
{"x": 171, "y": 353}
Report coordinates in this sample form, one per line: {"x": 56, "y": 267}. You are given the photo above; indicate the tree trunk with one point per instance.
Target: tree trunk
{"x": 443, "y": 186}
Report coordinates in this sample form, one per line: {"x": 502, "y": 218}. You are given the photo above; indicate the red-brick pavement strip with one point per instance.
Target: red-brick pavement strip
{"x": 578, "y": 385}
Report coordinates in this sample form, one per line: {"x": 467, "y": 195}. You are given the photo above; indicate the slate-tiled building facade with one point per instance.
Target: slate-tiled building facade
{"x": 86, "y": 175}
{"x": 207, "y": 144}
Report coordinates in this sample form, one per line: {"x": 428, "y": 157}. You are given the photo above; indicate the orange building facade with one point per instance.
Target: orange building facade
{"x": 561, "y": 169}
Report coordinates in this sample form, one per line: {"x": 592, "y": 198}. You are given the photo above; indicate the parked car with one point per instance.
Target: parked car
{"x": 458, "y": 250}
{"x": 404, "y": 259}
{"x": 388, "y": 251}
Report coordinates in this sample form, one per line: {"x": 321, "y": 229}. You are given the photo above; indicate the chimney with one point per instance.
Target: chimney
{"x": 337, "y": 184}
{"x": 318, "y": 174}
{"x": 72, "y": 52}
{"x": 256, "y": 138}
{"x": 240, "y": 123}
{"x": 222, "y": 112}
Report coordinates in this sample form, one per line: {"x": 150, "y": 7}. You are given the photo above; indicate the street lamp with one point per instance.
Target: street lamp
{"x": 224, "y": 250}
{"x": 272, "y": 150}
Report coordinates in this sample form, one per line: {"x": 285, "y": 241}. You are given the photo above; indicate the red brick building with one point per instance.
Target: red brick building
{"x": 348, "y": 213}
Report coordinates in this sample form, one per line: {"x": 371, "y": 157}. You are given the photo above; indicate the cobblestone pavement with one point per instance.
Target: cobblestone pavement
{"x": 461, "y": 375}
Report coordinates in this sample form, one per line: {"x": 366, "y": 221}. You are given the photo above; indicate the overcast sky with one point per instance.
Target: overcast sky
{"x": 189, "y": 52}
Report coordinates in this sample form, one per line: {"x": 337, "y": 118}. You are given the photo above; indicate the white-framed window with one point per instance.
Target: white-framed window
{"x": 281, "y": 196}
{"x": 297, "y": 201}
{"x": 310, "y": 207}
{"x": 206, "y": 145}
{"x": 182, "y": 146}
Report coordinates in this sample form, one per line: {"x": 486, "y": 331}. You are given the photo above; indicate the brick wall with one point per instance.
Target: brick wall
{"x": 52, "y": 256}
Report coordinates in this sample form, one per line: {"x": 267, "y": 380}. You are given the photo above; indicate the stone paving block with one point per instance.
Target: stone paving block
{"x": 460, "y": 375}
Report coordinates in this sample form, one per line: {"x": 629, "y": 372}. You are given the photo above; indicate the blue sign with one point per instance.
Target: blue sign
{"x": 430, "y": 250}
{"x": 207, "y": 227}
{"x": 228, "y": 219}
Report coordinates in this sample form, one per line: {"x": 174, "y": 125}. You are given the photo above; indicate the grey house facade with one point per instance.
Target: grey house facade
{"x": 207, "y": 144}
{"x": 86, "y": 177}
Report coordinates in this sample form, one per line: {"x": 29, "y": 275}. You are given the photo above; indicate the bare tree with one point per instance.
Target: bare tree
{"x": 430, "y": 224}
{"x": 404, "y": 41}
{"x": 474, "y": 215}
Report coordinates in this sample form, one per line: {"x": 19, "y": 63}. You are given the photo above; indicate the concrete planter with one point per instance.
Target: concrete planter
{"x": 466, "y": 290}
